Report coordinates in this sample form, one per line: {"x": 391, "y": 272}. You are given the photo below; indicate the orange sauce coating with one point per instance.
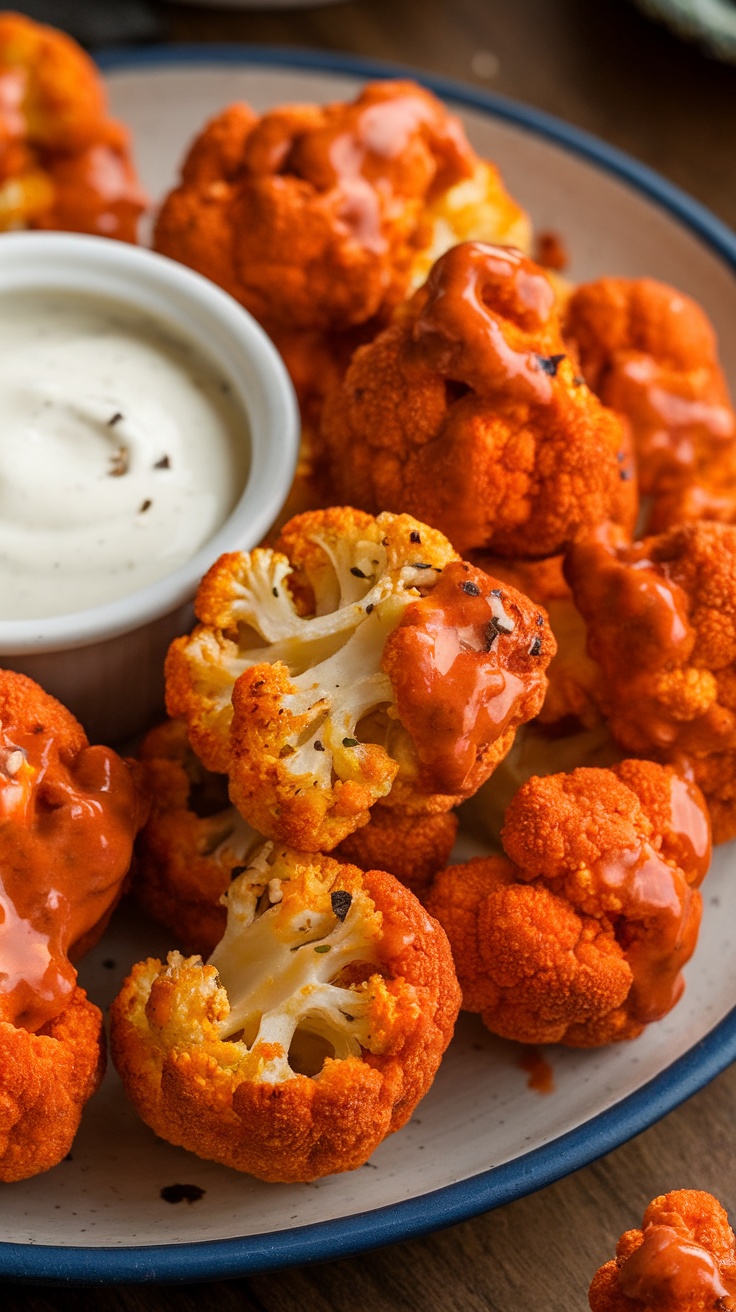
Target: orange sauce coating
{"x": 690, "y": 839}
{"x": 661, "y": 926}
{"x": 457, "y": 335}
{"x": 669, "y": 1266}
{"x": 454, "y": 689}
{"x": 374, "y": 152}
{"x": 675, "y": 418}
{"x": 66, "y": 836}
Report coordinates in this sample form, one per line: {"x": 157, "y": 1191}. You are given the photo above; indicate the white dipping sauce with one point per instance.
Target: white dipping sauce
{"x": 121, "y": 452}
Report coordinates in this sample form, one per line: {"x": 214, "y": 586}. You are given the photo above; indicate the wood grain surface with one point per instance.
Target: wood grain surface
{"x": 604, "y": 67}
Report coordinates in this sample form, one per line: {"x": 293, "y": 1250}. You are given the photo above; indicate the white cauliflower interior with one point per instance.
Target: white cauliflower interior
{"x": 470, "y": 211}
{"x": 277, "y": 962}
{"x": 333, "y": 656}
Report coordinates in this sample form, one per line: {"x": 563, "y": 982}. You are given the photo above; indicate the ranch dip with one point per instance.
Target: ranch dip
{"x": 122, "y": 451}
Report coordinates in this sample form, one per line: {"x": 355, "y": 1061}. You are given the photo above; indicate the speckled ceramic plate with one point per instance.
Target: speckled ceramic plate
{"x": 481, "y": 1137}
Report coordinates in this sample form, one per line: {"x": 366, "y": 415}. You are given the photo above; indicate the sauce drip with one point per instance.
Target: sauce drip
{"x": 486, "y": 309}
{"x": 668, "y": 1266}
{"x": 66, "y": 836}
{"x": 660, "y": 926}
{"x": 449, "y": 662}
{"x": 678, "y": 420}
{"x": 689, "y": 839}
{"x": 541, "y": 1076}
{"x": 630, "y": 602}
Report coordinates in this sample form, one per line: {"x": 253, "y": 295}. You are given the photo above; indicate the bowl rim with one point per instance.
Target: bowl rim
{"x": 273, "y": 438}
{"x": 407, "y": 1219}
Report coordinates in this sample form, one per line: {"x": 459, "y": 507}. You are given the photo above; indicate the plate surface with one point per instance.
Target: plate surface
{"x": 481, "y": 1137}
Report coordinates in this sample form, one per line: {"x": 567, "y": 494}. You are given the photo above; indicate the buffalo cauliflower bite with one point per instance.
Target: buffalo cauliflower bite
{"x": 46, "y": 1079}
{"x": 312, "y": 1033}
{"x": 317, "y": 218}
{"x": 580, "y": 933}
{"x": 661, "y": 617}
{"x": 467, "y": 412}
{"x": 320, "y": 219}
{"x": 63, "y": 163}
{"x": 650, "y": 353}
{"x": 362, "y": 661}
{"x": 682, "y": 1260}
{"x": 68, "y": 817}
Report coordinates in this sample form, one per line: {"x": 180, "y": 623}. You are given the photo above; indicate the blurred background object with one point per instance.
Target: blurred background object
{"x": 116, "y": 22}
{"x": 712, "y": 23}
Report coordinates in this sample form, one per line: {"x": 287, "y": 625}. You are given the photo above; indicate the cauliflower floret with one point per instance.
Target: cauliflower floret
{"x": 682, "y": 1260}
{"x": 45, "y": 1080}
{"x": 661, "y": 617}
{"x": 63, "y": 163}
{"x": 467, "y": 412}
{"x": 312, "y": 1033}
{"x": 650, "y": 353}
{"x": 580, "y": 936}
{"x": 365, "y": 660}
{"x": 313, "y": 216}
{"x": 68, "y": 816}
{"x": 320, "y": 219}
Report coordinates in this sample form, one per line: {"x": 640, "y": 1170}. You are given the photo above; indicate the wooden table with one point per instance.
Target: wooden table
{"x": 603, "y": 67}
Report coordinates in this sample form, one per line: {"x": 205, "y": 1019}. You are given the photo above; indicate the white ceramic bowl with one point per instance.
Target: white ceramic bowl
{"x": 106, "y": 663}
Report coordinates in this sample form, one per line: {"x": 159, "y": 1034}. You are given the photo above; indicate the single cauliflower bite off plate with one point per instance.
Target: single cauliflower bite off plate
{"x": 682, "y": 1260}
{"x": 362, "y": 661}
{"x": 315, "y": 1028}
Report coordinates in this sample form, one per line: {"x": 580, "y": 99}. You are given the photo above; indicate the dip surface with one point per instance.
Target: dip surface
{"x": 121, "y": 452}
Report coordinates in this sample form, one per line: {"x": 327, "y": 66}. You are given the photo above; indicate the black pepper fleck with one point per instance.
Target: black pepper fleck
{"x": 414, "y": 536}
{"x": 145, "y": 505}
{"x": 163, "y": 463}
{"x": 369, "y": 608}
{"x": 115, "y": 419}
{"x": 275, "y": 592}
{"x": 624, "y": 475}
{"x": 536, "y": 647}
{"x": 540, "y": 619}
{"x": 318, "y": 746}
{"x": 179, "y": 1193}
{"x": 472, "y": 589}
{"x": 549, "y": 364}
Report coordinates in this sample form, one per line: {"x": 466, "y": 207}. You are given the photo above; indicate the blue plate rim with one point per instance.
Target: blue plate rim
{"x": 339, "y": 1238}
